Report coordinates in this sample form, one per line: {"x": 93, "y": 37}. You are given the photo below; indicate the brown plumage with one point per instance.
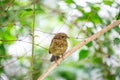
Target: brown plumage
{"x": 58, "y": 46}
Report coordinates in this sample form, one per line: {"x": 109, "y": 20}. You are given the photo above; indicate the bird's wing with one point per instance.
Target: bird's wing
{"x": 50, "y": 46}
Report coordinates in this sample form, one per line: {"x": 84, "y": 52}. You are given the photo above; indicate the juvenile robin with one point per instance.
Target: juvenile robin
{"x": 58, "y": 46}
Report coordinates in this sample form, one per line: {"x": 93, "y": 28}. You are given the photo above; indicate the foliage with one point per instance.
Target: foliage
{"x": 98, "y": 60}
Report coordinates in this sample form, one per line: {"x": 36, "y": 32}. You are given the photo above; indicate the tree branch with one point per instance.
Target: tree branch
{"x": 33, "y": 39}
{"x": 84, "y": 42}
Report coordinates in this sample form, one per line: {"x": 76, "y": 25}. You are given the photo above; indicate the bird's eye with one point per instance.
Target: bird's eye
{"x": 62, "y": 36}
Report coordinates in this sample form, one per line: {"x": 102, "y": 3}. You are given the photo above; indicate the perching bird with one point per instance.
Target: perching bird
{"x": 58, "y": 46}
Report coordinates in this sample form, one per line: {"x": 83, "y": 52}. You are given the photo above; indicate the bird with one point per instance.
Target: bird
{"x": 58, "y": 46}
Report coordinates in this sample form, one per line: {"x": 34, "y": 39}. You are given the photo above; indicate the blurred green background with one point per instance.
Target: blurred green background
{"x": 98, "y": 60}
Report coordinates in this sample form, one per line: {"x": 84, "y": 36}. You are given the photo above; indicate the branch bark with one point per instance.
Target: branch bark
{"x": 84, "y": 42}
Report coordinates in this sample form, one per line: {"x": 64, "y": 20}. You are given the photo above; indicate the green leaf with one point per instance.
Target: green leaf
{"x": 106, "y": 43}
{"x": 89, "y": 44}
{"x": 116, "y": 41}
{"x": 97, "y": 60}
{"x": 67, "y": 76}
{"x": 29, "y": 9}
{"x": 117, "y": 29}
{"x": 110, "y": 50}
{"x": 108, "y": 2}
{"x": 69, "y": 1}
{"x": 83, "y": 54}
{"x": 118, "y": 16}
{"x": 2, "y": 50}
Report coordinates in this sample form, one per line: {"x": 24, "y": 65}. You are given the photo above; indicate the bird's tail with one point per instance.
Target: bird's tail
{"x": 54, "y": 58}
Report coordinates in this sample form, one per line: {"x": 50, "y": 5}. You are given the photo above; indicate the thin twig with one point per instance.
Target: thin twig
{"x": 84, "y": 42}
{"x": 8, "y": 6}
{"x": 33, "y": 27}
{"x": 25, "y": 42}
